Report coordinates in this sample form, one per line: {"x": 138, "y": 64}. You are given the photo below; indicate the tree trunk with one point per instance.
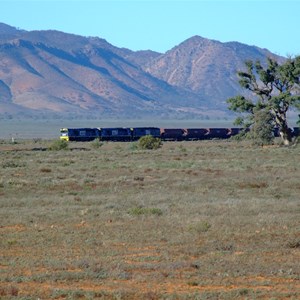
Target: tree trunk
{"x": 284, "y": 130}
{"x": 286, "y": 135}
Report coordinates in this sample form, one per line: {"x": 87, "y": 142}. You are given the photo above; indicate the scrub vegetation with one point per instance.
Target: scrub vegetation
{"x": 189, "y": 220}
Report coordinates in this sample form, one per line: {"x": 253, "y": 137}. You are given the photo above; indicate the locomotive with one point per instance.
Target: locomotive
{"x": 107, "y": 134}
{"x": 126, "y": 134}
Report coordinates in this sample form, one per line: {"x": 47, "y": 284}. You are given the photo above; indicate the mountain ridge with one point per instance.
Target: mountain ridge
{"x": 50, "y": 71}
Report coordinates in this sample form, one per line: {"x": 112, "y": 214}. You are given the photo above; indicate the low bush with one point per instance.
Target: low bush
{"x": 58, "y": 145}
{"x": 149, "y": 142}
{"x": 200, "y": 227}
{"x": 96, "y": 144}
{"x": 261, "y": 132}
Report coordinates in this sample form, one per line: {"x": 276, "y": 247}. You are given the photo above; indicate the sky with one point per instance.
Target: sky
{"x": 160, "y": 25}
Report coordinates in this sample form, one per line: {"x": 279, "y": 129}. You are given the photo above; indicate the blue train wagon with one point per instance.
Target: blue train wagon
{"x": 138, "y": 132}
{"x": 119, "y": 134}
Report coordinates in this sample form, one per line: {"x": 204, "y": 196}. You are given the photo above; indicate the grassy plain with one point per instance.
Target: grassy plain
{"x": 192, "y": 220}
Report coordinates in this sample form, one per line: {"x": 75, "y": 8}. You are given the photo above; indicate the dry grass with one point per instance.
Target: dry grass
{"x": 191, "y": 220}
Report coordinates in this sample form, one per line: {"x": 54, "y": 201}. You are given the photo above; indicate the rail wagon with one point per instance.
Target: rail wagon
{"x": 196, "y": 133}
{"x": 115, "y": 134}
{"x": 138, "y": 132}
{"x": 172, "y": 134}
{"x": 218, "y": 133}
{"x": 234, "y": 131}
{"x": 296, "y": 131}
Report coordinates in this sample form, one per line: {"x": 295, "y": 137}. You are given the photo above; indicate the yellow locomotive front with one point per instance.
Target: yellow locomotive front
{"x": 64, "y": 134}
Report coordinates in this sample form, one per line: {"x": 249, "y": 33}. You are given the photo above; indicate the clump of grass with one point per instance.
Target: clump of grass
{"x": 45, "y": 170}
{"x": 12, "y": 164}
{"x": 96, "y": 144}
{"x": 294, "y": 244}
{"x": 138, "y": 178}
{"x": 58, "y": 145}
{"x": 243, "y": 292}
{"x": 193, "y": 283}
{"x": 75, "y": 294}
{"x": 253, "y": 185}
{"x": 200, "y": 227}
{"x": 224, "y": 246}
{"x": 12, "y": 242}
{"x": 138, "y": 211}
{"x": 182, "y": 149}
{"x": 133, "y": 146}
{"x": 149, "y": 142}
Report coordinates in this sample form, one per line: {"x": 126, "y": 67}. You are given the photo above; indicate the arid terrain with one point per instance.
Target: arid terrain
{"x": 191, "y": 220}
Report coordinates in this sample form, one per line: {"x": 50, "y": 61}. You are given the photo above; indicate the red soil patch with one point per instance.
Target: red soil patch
{"x": 141, "y": 280}
{"x": 167, "y": 287}
{"x": 17, "y": 227}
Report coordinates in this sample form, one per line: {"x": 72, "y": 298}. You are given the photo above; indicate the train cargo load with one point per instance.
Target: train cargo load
{"x": 218, "y": 133}
{"x": 172, "y": 134}
{"x": 196, "y": 133}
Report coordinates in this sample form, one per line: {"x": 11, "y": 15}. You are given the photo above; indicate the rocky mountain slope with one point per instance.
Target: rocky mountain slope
{"x": 46, "y": 72}
{"x": 206, "y": 67}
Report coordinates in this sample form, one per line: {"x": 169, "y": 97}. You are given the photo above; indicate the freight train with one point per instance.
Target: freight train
{"x": 166, "y": 134}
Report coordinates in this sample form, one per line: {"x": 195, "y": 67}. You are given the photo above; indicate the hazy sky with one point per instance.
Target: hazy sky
{"x": 160, "y": 25}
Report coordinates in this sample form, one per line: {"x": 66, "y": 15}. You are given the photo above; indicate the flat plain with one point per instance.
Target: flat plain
{"x": 191, "y": 220}
{"x": 49, "y": 128}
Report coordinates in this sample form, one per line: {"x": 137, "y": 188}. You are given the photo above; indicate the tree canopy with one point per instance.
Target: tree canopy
{"x": 275, "y": 89}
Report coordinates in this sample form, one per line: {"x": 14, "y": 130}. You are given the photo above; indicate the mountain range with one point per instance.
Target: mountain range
{"x": 51, "y": 73}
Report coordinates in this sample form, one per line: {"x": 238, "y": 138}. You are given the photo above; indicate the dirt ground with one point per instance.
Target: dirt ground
{"x": 142, "y": 282}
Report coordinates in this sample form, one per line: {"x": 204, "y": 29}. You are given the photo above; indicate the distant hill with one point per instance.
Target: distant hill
{"x": 51, "y": 72}
{"x": 206, "y": 67}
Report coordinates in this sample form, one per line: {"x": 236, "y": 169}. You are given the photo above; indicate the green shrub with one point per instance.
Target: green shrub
{"x": 200, "y": 227}
{"x": 96, "y": 144}
{"x": 58, "y": 145}
{"x": 262, "y": 130}
{"x": 148, "y": 142}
